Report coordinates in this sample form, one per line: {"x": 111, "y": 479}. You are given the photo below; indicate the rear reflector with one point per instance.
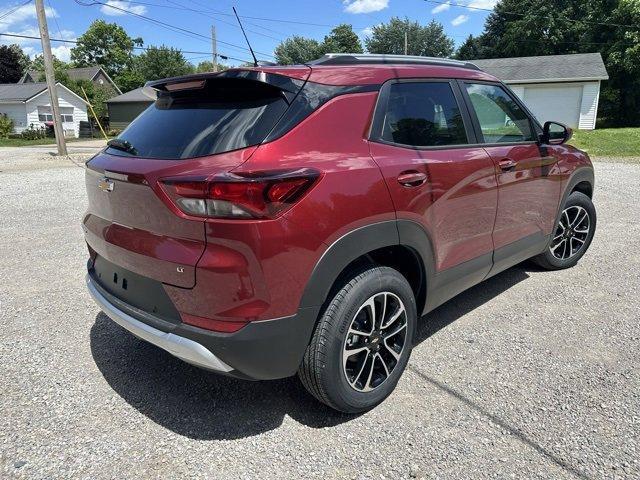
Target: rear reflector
{"x": 256, "y": 195}
{"x": 210, "y": 324}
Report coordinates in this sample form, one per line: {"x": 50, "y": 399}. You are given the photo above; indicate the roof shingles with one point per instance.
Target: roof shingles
{"x": 581, "y": 66}
{"x": 135, "y": 95}
{"x": 20, "y": 92}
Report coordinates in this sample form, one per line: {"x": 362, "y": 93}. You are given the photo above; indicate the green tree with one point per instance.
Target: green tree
{"x": 207, "y": 66}
{"x": 342, "y": 39}
{"x": 470, "y": 49}
{"x": 154, "y": 63}
{"x": 97, "y": 95}
{"x": 297, "y": 50}
{"x": 12, "y": 63}
{"x": 59, "y": 70}
{"x": 130, "y": 78}
{"x": 429, "y": 40}
{"x": 573, "y": 26}
{"x": 162, "y": 62}
{"x": 25, "y": 61}
{"x": 104, "y": 44}
{"x": 622, "y": 57}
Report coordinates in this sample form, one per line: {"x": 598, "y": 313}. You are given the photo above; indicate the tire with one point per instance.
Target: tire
{"x": 576, "y": 204}
{"x": 374, "y": 370}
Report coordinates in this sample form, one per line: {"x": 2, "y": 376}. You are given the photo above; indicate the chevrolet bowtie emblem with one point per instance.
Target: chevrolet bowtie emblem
{"x": 106, "y": 185}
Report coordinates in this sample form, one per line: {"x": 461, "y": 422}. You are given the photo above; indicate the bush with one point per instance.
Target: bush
{"x": 114, "y": 132}
{"x": 33, "y": 133}
{"x": 6, "y": 125}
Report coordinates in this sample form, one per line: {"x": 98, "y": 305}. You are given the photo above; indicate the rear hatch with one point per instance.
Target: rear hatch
{"x": 198, "y": 126}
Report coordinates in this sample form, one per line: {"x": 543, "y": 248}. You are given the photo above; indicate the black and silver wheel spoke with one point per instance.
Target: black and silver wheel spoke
{"x": 375, "y": 341}
{"x": 571, "y": 234}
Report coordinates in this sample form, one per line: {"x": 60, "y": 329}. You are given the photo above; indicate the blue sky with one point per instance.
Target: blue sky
{"x": 68, "y": 20}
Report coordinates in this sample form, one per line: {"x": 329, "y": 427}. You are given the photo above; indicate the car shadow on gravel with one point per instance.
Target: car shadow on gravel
{"x": 193, "y": 402}
{"x": 207, "y": 406}
{"x": 471, "y": 299}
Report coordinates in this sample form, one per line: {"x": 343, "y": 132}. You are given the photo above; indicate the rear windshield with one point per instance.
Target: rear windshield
{"x": 222, "y": 115}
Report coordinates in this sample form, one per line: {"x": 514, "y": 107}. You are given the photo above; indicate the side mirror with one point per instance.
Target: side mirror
{"x": 555, "y": 133}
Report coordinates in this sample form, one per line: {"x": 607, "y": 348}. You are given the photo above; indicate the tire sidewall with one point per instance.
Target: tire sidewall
{"x": 581, "y": 200}
{"x": 375, "y": 281}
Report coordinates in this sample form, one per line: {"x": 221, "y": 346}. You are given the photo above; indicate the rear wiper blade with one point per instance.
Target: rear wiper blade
{"x": 122, "y": 145}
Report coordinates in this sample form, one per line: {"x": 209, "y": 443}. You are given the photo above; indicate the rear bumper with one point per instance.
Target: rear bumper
{"x": 263, "y": 350}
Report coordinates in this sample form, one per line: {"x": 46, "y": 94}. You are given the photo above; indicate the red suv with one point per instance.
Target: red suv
{"x": 268, "y": 221}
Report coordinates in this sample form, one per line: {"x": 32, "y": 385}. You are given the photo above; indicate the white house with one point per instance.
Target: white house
{"x": 564, "y": 88}
{"x": 30, "y": 104}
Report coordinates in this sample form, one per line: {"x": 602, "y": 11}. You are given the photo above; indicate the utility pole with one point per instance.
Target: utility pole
{"x": 214, "y": 48}
{"x": 405, "y": 43}
{"x": 51, "y": 82}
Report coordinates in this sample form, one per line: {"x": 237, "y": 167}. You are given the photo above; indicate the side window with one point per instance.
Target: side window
{"x": 501, "y": 119}
{"x": 423, "y": 114}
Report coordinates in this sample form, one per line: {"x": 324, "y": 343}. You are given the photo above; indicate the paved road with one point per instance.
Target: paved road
{"x": 530, "y": 375}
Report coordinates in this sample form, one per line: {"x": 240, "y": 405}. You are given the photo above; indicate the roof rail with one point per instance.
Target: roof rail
{"x": 371, "y": 58}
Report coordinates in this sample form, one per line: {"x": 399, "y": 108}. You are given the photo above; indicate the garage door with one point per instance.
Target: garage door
{"x": 558, "y": 103}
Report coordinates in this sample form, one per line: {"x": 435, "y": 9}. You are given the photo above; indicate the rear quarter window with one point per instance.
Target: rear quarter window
{"x": 223, "y": 115}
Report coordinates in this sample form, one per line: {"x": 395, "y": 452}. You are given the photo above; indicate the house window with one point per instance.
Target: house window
{"x": 67, "y": 114}
{"x": 45, "y": 115}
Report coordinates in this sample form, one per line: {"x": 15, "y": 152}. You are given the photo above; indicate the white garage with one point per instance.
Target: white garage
{"x": 564, "y": 88}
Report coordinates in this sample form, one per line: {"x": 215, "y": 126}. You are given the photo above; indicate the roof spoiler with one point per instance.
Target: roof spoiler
{"x": 185, "y": 82}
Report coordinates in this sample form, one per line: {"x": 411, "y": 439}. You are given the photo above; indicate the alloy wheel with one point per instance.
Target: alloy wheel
{"x": 571, "y": 234}
{"x": 375, "y": 341}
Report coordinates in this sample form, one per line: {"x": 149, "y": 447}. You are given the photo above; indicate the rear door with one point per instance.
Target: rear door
{"x": 528, "y": 191}
{"x": 421, "y": 139}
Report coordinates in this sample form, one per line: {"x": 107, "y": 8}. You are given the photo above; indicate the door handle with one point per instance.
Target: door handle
{"x": 412, "y": 178}
{"x": 507, "y": 164}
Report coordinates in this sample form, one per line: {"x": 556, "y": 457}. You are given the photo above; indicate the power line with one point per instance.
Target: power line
{"x": 470, "y": 7}
{"x": 218, "y": 12}
{"x": 13, "y": 9}
{"x": 32, "y": 37}
{"x": 178, "y": 6}
{"x": 55, "y": 20}
{"x": 167, "y": 25}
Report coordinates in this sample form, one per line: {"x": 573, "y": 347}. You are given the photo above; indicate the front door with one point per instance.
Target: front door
{"x": 528, "y": 186}
{"x": 420, "y": 140}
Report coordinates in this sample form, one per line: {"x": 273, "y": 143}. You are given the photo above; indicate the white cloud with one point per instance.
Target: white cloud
{"x": 31, "y": 32}
{"x": 63, "y": 52}
{"x": 364, "y": 6}
{"x": 367, "y": 32}
{"x": 124, "y": 5}
{"x": 30, "y": 51}
{"x": 32, "y": 46}
{"x": 441, "y": 8}
{"x": 459, "y": 20}
{"x": 482, "y": 3}
{"x": 26, "y": 12}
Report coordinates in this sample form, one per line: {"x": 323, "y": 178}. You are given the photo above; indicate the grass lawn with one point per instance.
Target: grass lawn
{"x": 608, "y": 142}
{"x": 20, "y": 142}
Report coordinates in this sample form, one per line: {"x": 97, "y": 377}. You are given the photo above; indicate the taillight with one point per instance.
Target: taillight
{"x": 256, "y": 195}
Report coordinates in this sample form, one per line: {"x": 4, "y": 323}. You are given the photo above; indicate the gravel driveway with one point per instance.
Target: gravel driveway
{"x": 531, "y": 374}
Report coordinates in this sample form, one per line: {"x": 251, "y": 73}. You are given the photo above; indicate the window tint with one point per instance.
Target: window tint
{"x": 423, "y": 114}
{"x": 225, "y": 115}
{"x": 501, "y": 119}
